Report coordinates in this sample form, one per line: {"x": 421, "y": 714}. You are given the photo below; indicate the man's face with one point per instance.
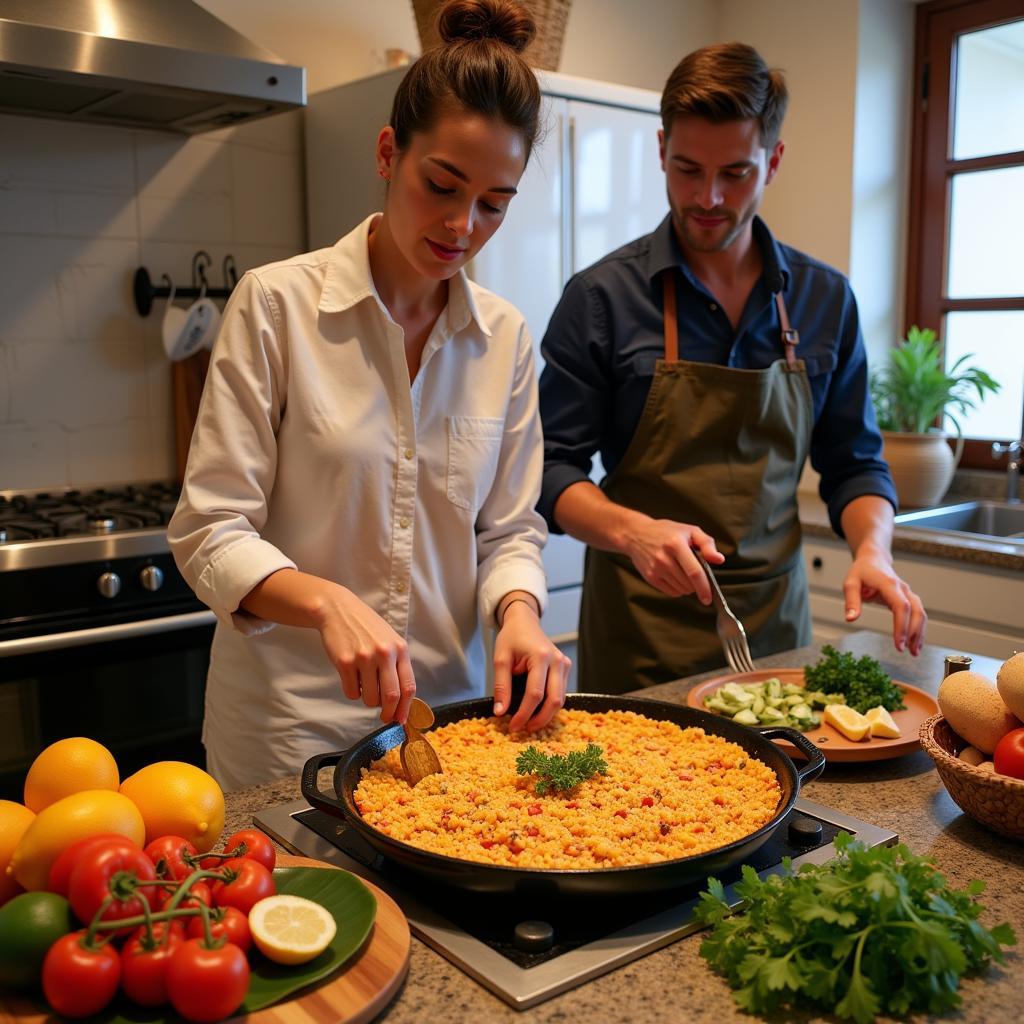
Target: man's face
{"x": 715, "y": 175}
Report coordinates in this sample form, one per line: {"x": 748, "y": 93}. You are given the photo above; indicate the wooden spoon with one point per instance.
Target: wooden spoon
{"x": 419, "y": 759}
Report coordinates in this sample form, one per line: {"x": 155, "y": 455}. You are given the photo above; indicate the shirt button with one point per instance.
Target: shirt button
{"x": 400, "y": 586}
{"x": 404, "y": 522}
{"x": 713, "y": 307}
{"x": 409, "y": 453}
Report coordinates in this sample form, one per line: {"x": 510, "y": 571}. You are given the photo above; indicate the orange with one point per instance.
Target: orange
{"x": 66, "y": 767}
{"x": 14, "y": 822}
{"x": 178, "y": 799}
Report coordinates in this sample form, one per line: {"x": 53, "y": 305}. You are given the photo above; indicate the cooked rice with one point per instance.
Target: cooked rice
{"x": 669, "y": 792}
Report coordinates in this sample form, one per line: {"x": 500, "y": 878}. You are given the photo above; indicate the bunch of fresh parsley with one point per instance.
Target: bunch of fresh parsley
{"x": 863, "y": 681}
{"x": 871, "y": 931}
{"x": 558, "y": 772}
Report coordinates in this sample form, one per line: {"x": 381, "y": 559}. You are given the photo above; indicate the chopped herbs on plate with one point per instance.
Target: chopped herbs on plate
{"x": 870, "y": 931}
{"x": 771, "y": 702}
{"x": 863, "y": 681}
{"x": 560, "y": 772}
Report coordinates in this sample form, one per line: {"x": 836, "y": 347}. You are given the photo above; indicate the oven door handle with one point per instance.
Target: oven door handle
{"x": 104, "y": 634}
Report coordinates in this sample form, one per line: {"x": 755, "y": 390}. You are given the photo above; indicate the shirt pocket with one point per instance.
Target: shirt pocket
{"x": 474, "y": 443}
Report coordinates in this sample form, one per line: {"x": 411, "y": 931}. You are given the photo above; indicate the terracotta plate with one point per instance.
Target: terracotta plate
{"x": 834, "y": 745}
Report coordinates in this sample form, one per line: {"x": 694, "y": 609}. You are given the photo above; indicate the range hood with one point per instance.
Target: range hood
{"x": 166, "y": 64}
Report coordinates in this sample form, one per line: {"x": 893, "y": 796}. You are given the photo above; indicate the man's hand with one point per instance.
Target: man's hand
{"x": 522, "y": 646}
{"x": 662, "y": 551}
{"x": 871, "y": 577}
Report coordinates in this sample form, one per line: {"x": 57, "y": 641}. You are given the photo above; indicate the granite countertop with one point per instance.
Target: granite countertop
{"x": 924, "y": 543}
{"x": 674, "y": 984}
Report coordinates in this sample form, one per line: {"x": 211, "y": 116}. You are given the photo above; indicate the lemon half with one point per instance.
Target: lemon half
{"x": 291, "y": 929}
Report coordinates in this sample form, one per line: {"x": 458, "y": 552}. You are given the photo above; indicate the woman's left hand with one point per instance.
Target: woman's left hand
{"x": 521, "y": 646}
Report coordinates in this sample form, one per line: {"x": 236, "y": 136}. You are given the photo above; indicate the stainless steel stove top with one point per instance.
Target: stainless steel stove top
{"x": 482, "y": 938}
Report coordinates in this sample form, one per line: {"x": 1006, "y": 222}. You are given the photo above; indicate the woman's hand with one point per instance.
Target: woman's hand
{"x": 370, "y": 657}
{"x": 521, "y": 646}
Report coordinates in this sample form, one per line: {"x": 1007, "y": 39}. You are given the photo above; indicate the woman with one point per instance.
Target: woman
{"x": 361, "y": 486}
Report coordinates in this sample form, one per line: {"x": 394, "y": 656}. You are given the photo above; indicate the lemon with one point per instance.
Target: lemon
{"x": 14, "y": 822}
{"x": 178, "y": 799}
{"x": 290, "y": 929}
{"x": 852, "y": 724}
{"x": 66, "y": 767}
{"x": 882, "y": 723}
{"x": 58, "y": 826}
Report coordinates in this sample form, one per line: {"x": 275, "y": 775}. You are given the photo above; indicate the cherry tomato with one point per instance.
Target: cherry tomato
{"x": 249, "y": 883}
{"x": 170, "y": 856}
{"x": 199, "y": 892}
{"x": 79, "y": 981}
{"x": 250, "y": 843}
{"x": 60, "y": 870}
{"x": 144, "y": 962}
{"x": 107, "y": 871}
{"x": 229, "y": 922}
{"x": 206, "y": 984}
{"x": 1009, "y": 755}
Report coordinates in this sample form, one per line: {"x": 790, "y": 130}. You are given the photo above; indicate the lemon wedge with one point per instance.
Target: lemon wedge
{"x": 291, "y": 929}
{"x": 852, "y": 724}
{"x": 882, "y": 723}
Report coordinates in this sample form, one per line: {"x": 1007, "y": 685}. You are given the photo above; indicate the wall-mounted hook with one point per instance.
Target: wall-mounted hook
{"x": 200, "y": 262}
{"x": 229, "y": 271}
{"x": 145, "y": 291}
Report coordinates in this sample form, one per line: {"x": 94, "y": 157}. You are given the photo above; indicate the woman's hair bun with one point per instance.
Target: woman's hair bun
{"x": 506, "y": 21}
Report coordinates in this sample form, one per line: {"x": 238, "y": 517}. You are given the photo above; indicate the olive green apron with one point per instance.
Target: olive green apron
{"x": 721, "y": 448}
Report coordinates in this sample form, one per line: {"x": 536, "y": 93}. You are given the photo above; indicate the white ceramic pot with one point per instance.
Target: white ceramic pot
{"x": 922, "y": 466}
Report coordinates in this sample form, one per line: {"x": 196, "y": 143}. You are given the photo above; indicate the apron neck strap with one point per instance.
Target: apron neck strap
{"x": 790, "y": 337}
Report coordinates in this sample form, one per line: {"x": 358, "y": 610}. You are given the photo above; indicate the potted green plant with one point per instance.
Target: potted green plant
{"x": 913, "y": 395}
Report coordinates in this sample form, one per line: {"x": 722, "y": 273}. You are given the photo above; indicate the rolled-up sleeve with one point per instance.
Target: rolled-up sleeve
{"x": 510, "y": 531}
{"x": 574, "y": 394}
{"x": 846, "y": 446}
{"x": 214, "y": 533}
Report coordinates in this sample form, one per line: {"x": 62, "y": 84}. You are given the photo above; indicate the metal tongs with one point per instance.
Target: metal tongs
{"x": 730, "y": 630}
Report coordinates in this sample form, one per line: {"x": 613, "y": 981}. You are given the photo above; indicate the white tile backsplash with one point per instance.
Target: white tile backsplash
{"x": 85, "y": 387}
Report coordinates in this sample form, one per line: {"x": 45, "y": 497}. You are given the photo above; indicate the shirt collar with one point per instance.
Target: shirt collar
{"x": 665, "y": 252}
{"x": 348, "y": 281}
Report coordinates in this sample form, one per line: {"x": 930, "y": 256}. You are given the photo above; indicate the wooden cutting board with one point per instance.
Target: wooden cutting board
{"x": 353, "y": 995}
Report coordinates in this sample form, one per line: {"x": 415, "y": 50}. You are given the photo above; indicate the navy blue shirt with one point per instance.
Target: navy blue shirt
{"x": 606, "y": 335}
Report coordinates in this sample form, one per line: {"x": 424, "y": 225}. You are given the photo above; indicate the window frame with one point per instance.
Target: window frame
{"x": 932, "y": 167}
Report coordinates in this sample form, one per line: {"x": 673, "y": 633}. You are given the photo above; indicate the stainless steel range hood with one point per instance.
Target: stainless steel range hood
{"x": 165, "y": 64}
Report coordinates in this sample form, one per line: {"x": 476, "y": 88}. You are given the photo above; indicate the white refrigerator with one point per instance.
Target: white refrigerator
{"x": 593, "y": 183}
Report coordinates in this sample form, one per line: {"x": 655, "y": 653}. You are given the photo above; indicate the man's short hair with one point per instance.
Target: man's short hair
{"x": 726, "y": 82}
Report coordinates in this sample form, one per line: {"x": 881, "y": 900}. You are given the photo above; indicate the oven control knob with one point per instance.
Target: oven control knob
{"x": 151, "y": 578}
{"x": 109, "y": 584}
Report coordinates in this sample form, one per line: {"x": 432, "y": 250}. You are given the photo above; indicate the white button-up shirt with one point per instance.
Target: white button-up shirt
{"x": 313, "y": 451}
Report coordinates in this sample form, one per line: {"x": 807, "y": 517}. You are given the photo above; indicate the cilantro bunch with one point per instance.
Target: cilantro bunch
{"x": 863, "y": 681}
{"x": 871, "y": 931}
{"x": 558, "y": 772}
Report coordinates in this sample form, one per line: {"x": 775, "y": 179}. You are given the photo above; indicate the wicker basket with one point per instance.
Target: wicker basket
{"x": 994, "y": 800}
{"x": 544, "y": 52}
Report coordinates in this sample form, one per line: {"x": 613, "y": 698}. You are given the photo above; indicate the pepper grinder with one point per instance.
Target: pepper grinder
{"x": 956, "y": 663}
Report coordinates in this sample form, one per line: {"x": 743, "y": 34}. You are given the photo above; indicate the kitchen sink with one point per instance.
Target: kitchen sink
{"x": 993, "y": 520}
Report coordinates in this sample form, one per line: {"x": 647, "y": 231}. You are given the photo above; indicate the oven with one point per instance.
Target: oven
{"x": 99, "y": 634}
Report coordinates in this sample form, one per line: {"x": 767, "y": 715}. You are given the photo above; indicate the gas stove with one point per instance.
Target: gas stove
{"x": 526, "y": 954}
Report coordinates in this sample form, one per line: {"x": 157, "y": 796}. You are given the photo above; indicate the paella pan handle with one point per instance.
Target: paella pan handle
{"x": 815, "y": 758}
{"x": 311, "y": 791}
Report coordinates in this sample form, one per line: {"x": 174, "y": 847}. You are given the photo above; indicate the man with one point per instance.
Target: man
{"x": 704, "y": 362}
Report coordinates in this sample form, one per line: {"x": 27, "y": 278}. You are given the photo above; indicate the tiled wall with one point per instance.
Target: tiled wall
{"x": 85, "y": 387}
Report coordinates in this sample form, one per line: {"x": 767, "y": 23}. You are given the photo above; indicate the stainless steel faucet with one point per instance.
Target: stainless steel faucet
{"x": 1013, "y": 452}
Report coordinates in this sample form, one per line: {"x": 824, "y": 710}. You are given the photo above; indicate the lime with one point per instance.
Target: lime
{"x": 29, "y": 925}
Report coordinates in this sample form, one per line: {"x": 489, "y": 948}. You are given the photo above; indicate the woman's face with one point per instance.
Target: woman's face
{"x": 450, "y": 189}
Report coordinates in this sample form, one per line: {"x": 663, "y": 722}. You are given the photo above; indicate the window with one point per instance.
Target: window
{"x": 966, "y": 246}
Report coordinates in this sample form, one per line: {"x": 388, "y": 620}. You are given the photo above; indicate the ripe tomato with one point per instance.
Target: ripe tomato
{"x": 229, "y": 922}
{"x": 144, "y": 962}
{"x": 250, "y": 843}
{"x": 170, "y": 855}
{"x": 60, "y": 870}
{"x": 249, "y": 882}
{"x": 1009, "y": 755}
{"x": 109, "y": 871}
{"x": 79, "y": 981}
{"x": 206, "y": 984}
{"x": 199, "y": 892}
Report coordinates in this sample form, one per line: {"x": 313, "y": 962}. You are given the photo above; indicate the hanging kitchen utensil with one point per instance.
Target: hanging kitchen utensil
{"x": 419, "y": 759}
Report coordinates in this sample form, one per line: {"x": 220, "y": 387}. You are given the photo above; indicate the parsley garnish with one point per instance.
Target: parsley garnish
{"x": 871, "y": 931}
{"x": 863, "y": 681}
{"x": 558, "y": 772}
